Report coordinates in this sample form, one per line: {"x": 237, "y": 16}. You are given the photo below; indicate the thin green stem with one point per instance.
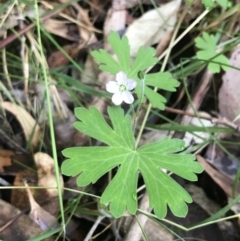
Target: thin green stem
{"x": 167, "y": 54}
{"x": 59, "y": 188}
{"x": 142, "y": 84}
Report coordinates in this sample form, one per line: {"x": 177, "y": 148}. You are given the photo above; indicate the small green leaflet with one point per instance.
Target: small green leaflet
{"x": 208, "y": 45}
{"x": 162, "y": 80}
{"x": 93, "y": 162}
{"x": 211, "y": 3}
{"x": 224, "y": 3}
{"x": 144, "y": 59}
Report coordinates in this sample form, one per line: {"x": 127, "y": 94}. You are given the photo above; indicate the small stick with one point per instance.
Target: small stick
{"x": 220, "y": 121}
{"x": 90, "y": 233}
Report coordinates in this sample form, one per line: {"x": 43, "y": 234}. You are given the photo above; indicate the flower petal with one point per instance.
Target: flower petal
{"x": 121, "y": 78}
{"x": 127, "y": 97}
{"x": 112, "y": 87}
{"x": 131, "y": 84}
{"x": 117, "y": 98}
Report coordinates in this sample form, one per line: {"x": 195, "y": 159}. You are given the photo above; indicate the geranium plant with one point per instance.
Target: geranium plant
{"x": 120, "y": 150}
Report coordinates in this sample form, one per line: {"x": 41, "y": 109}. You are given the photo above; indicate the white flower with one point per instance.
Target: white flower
{"x": 120, "y": 89}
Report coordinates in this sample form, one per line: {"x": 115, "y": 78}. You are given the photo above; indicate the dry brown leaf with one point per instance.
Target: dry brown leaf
{"x": 61, "y": 28}
{"x": 5, "y": 159}
{"x": 19, "y": 197}
{"x": 229, "y": 93}
{"x": 11, "y": 162}
{"x": 83, "y": 17}
{"x": 57, "y": 58}
{"x": 87, "y": 33}
{"x": 162, "y": 45}
{"x": 44, "y": 176}
{"x": 199, "y": 196}
{"x": 16, "y": 226}
{"x": 222, "y": 180}
{"x": 221, "y": 160}
{"x": 226, "y": 184}
{"x": 29, "y": 126}
{"x": 116, "y": 21}
{"x": 152, "y": 26}
{"x": 40, "y": 216}
{"x": 47, "y": 178}
{"x": 46, "y": 173}
{"x": 91, "y": 71}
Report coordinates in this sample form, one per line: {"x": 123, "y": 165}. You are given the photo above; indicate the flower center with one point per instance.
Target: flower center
{"x": 122, "y": 87}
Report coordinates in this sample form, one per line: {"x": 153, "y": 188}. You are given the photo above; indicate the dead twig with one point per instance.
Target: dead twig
{"x": 220, "y": 121}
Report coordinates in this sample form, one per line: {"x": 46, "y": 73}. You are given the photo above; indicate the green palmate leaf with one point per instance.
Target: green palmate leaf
{"x": 121, "y": 48}
{"x": 144, "y": 59}
{"x": 93, "y": 162}
{"x": 155, "y": 99}
{"x": 223, "y": 3}
{"x": 211, "y": 3}
{"x": 209, "y": 50}
{"x": 108, "y": 63}
{"x": 162, "y": 80}
{"x": 208, "y": 3}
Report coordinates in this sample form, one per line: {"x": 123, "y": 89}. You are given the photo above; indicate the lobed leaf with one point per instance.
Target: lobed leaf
{"x": 145, "y": 59}
{"x": 107, "y": 62}
{"x": 208, "y": 52}
{"x": 94, "y": 125}
{"x": 223, "y": 3}
{"x": 93, "y": 162}
{"x": 208, "y": 3}
{"x": 155, "y": 99}
{"x": 162, "y": 80}
{"x": 121, "y": 48}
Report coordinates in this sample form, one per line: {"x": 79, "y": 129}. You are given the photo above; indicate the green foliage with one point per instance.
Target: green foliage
{"x": 120, "y": 153}
{"x": 208, "y": 47}
{"x": 211, "y": 3}
{"x": 144, "y": 59}
{"x": 223, "y": 3}
{"x": 208, "y": 3}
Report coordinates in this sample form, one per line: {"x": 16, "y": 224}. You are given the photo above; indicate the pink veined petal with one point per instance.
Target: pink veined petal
{"x": 117, "y": 98}
{"x": 131, "y": 84}
{"x": 127, "y": 97}
{"x": 121, "y": 78}
{"x": 112, "y": 87}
